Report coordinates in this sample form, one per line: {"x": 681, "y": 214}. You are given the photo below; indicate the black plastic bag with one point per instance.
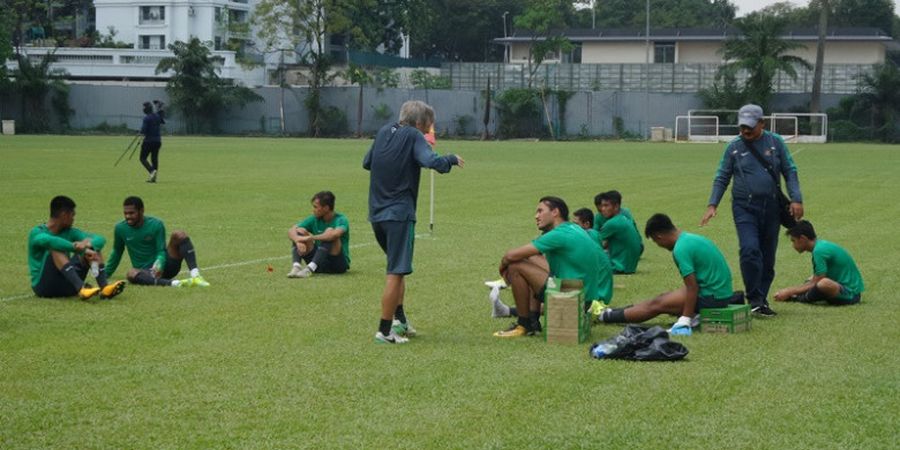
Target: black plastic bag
{"x": 638, "y": 343}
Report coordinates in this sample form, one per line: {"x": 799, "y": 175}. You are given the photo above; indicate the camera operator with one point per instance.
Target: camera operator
{"x": 152, "y": 140}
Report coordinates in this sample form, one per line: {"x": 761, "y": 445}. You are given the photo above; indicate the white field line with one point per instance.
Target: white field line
{"x": 225, "y": 266}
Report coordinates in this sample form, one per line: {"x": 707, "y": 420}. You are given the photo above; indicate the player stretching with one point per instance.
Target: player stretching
{"x": 55, "y": 271}
{"x": 153, "y": 262}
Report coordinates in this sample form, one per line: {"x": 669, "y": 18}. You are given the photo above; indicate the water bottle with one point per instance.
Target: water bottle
{"x": 603, "y": 349}
{"x": 95, "y": 269}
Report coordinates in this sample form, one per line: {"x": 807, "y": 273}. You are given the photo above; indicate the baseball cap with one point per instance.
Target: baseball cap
{"x": 749, "y": 115}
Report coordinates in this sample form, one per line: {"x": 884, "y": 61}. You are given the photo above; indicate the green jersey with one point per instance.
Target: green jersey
{"x": 695, "y": 254}
{"x": 835, "y": 263}
{"x": 146, "y": 245}
{"x": 573, "y": 254}
{"x": 594, "y": 235}
{"x": 318, "y": 226}
{"x": 623, "y": 242}
{"x": 41, "y": 241}
{"x": 599, "y": 220}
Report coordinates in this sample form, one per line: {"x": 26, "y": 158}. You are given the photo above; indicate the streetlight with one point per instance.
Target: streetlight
{"x": 505, "y": 44}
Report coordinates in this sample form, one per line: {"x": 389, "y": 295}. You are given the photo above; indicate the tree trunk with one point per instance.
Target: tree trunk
{"x": 815, "y": 102}
{"x": 485, "y": 135}
{"x": 359, "y": 112}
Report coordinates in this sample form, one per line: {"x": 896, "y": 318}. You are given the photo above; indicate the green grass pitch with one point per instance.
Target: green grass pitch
{"x": 262, "y": 361}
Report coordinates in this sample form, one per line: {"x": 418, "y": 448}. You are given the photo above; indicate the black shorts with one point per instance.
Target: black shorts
{"x": 704, "y": 302}
{"x": 397, "y": 240}
{"x": 53, "y": 283}
{"x": 172, "y": 267}
{"x": 331, "y": 263}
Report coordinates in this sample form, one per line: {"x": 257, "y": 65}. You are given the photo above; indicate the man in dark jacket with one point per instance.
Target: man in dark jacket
{"x": 754, "y": 200}
{"x": 395, "y": 162}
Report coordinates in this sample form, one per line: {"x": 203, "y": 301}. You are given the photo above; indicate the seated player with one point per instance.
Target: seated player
{"x": 836, "y": 279}
{"x": 322, "y": 240}
{"x": 619, "y": 234}
{"x": 585, "y": 219}
{"x": 153, "y": 262}
{"x": 707, "y": 279}
{"x": 564, "y": 250}
{"x": 59, "y": 256}
{"x": 600, "y": 219}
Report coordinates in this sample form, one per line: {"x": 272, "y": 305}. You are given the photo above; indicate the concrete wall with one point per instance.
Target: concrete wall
{"x": 615, "y": 52}
{"x": 698, "y": 52}
{"x": 587, "y": 113}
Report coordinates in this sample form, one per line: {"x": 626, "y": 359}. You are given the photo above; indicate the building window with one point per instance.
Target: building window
{"x": 217, "y": 43}
{"x": 153, "y": 42}
{"x": 574, "y": 56}
{"x": 664, "y": 52}
{"x": 218, "y": 15}
{"x": 153, "y": 14}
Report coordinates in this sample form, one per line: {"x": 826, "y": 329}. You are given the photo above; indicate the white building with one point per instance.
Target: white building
{"x": 153, "y": 24}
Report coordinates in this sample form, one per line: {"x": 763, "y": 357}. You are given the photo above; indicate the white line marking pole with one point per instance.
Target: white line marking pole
{"x": 431, "y": 208}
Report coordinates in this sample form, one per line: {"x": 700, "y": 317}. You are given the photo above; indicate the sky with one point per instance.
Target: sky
{"x": 748, "y": 6}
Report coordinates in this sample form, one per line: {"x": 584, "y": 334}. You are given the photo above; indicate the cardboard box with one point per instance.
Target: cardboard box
{"x": 565, "y": 319}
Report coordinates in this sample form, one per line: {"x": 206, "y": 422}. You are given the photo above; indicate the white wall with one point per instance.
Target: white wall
{"x": 698, "y": 52}
{"x": 615, "y": 52}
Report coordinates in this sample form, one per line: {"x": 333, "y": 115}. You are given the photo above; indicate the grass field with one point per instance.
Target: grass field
{"x": 262, "y": 361}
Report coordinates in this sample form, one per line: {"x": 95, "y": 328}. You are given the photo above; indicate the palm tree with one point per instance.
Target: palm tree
{"x": 880, "y": 94}
{"x": 762, "y": 52}
{"x": 34, "y": 81}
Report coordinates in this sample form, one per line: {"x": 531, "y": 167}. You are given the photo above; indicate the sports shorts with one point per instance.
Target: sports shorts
{"x": 845, "y": 297}
{"x": 329, "y": 264}
{"x": 53, "y": 283}
{"x": 397, "y": 239}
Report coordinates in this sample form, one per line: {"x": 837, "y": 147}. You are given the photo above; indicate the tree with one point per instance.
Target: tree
{"x": 762, "y": 52}
{"x": 195, "y": 88}
{"x": 6, "y": 52}
{"x": 544, "y": 20}
{"x": 358, "y": 75}
{"x": 34, "y": 82}
{"x": 664, "y": 13}
{"x": 460, "y": 30}
{"x": 880, "y": 94}
{"x": 304, "y": 27}
{"x": 816, "y": 97}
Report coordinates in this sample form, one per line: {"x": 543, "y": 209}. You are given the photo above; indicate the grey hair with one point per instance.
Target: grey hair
{"x": 415, "y": 112}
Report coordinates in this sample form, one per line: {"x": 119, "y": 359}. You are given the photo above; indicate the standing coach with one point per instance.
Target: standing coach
{"x": 757, "y": 159}
{"x": 395, "y": 163}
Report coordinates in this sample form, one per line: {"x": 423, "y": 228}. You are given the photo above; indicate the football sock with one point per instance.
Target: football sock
{"x": 613, "y": 315}
{"x": 535, "y": 317}
{"x": 101, "y": 277}
{"x": 195, "y": 272}
{"x": 312, "y": 266}
{"x": 295, "y": 255}
{"x": 385, "y": 326}
{"x": 186, "y": 248}
{"x": 513, "y": 311}
{"x": 144, "y": 278}
{"x": 524, "y": 322}
{"x": 399, "y": 314}
{"x": 812, "y": 295}
{"x": 70, "y": 271}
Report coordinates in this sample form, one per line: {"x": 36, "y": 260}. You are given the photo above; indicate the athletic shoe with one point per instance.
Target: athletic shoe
{"x": 152, "y": 178}
{"x": 111, "y": 290}
{"x": 403, "y": 329}
{"x": 198, "y": 281}
{"x": 499, "y": 309}
{"x": 515, "y": 330}
{"x": 763, "y": 311}
{"x": 87, "y": 291}
{"x": 303, "y": 273}
{"x": 695, "y": 321}
{"x": 499, "y": 283}
{"x": 295, "y": 272}
{"x": 391, "y": 338}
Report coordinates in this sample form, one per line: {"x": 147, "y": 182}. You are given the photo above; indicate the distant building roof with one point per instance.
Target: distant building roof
{"x": 700, "y": 34}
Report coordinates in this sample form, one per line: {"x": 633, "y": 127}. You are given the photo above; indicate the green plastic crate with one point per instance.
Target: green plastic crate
{"x": 731, "y": 319}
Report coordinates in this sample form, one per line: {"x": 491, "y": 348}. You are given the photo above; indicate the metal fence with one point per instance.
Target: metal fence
{"x": 662, "y": 78}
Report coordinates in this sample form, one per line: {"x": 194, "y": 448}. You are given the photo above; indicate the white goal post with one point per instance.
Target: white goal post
{"x": 705, "y": 125}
